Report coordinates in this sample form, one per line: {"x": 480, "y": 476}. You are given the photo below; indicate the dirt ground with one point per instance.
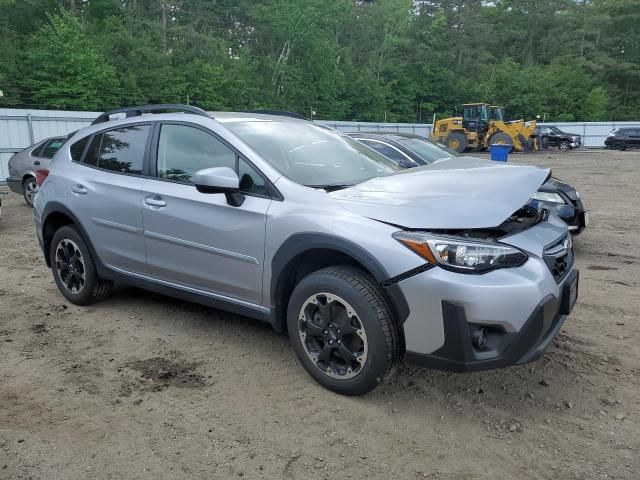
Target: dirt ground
{"x": 143, "y": 386}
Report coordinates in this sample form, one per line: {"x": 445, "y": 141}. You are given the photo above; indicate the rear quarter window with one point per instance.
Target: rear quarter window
{"x": 77, "y": 149}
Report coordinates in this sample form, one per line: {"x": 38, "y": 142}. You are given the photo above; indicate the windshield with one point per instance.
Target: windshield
{"x": 312, "y": 155}
{"x": 426, "y": 150}
{"x": 555, "y": 130}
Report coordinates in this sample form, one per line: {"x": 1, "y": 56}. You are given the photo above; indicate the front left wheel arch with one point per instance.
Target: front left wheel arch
{"x": 304, "y": 253}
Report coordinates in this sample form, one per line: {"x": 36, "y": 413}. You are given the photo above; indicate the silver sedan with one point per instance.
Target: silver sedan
{"x": 23, "y": 166}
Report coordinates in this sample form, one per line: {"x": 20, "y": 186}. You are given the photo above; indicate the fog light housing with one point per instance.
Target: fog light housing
{"x": 479, "y": 338}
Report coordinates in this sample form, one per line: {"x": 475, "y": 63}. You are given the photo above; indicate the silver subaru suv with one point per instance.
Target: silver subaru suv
{"x": 295, "y": 224}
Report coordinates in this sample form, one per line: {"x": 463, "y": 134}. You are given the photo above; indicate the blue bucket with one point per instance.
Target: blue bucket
{"x": 500, "y": 152}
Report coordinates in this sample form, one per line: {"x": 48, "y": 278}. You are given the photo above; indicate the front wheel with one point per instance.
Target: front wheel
{"x": 564, "y": 145}
{"x": 456, "y": 141}
{"x": 343, "y": 330}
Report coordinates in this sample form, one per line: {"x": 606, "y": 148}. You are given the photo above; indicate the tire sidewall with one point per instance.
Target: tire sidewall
{"x": 24, "y": 190}
{"x": 91, "y": 277}
{"x": 378, "y": 358}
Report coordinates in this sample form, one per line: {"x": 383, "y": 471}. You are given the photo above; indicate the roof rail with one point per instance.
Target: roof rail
{"x": 281, "y": 113}
{"x": 159, "y": 108}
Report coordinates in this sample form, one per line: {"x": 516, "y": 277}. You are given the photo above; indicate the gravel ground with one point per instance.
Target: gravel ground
{"x": 143, "y": 386}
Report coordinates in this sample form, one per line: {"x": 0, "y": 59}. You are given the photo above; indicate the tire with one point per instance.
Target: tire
{"x": 500, "y": 138}
{"x": 564, "y": 146}
{"x": 374, "y": 334}
{"x": 29, "y": 190}
{"x": 526, "y": 144}
{"x": 618, "y": 145}
{"x": 536, "y": 144}
{"x": 545, "y": 143}
{"x": 456, "y": 141}
{"x": 530, "y": 145}
{"x": 68, "y": 244}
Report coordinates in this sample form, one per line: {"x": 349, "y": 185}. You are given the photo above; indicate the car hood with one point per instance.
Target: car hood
{"x": 457, "y": 193}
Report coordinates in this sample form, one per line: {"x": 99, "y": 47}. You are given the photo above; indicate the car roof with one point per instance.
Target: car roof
{"x": 225, "y": 117}
{"x": 386, "y": 135}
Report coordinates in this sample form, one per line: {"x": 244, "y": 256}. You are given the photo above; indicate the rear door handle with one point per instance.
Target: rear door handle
{"x": 79, "y": 189}
{"x": 155, "y": 201}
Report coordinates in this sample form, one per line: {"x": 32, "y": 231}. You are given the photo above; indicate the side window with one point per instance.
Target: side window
{"x": 51, "y": 148}
{"x": 250, "y": 180}
{"x": 77, "y": 149}
{"x": 120, "y": 150}
{"x": 37, "y": 152}
{"x": 91, "y": 158}
{"x": 386, "y": 150}
{"x": 183, "y": 150}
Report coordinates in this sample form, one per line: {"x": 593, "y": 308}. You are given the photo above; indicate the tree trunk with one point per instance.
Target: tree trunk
{"x": 72, "y": 6}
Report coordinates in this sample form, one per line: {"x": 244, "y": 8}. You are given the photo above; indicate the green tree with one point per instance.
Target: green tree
{"x": 64, "y": 69}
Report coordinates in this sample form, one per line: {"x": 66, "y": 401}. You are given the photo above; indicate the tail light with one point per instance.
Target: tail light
{"x": 41, "y": 175}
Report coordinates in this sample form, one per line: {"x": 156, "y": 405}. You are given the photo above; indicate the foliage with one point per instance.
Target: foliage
{"x": 393, "y": 60}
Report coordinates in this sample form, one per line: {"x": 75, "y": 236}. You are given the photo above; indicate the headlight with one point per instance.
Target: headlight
{"x": 461, "y": 255}
{"x": 547, "y": 197}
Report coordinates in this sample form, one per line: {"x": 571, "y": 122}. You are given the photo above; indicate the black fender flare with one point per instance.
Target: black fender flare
{"x": 57, "y": 207}
{"x": 301, "y": 242}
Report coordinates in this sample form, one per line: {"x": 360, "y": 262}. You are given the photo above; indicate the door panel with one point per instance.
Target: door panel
{"x": 196, "y": 239}
{"x": 104, "y": 191}
{"x": 200, "y": 241}
{"x": 109, "y": 206}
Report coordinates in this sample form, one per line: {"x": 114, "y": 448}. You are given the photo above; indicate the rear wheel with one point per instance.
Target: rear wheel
{"x": 343, "y": 330}
{"x": 545, "y": 143}
{"x": 456, "y": 141}
{"x": 29, "y": 190}
{"x": 74, "y": 270}
{"x": 526, "y": 145}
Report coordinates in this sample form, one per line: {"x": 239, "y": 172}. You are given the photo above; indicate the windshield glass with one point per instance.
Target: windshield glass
{"x": 555, "y": 130}
{"x": 312, "y": 155}
{"x": 426, "y": 150}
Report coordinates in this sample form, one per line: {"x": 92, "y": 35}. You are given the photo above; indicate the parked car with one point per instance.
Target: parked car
{"x": 623, "y": 138}
{"x": 554, "y": 137}
{"x": 305, "y": 228}
{"x": 23, "y": 165}
{"x": 410, "y": 151}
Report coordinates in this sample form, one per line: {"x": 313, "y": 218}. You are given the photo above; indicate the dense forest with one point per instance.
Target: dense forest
{"x": 394, "y": 60}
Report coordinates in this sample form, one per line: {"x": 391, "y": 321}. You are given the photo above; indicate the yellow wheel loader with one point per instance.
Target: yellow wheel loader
{"x": 482, "y": 125}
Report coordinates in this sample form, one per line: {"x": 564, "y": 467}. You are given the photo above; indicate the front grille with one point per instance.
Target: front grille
{"x": 559, "y": 257}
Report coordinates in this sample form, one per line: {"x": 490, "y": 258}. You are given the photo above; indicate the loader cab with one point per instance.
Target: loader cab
{"x": 496, "y": 113}
{"x": 475, "y": 117}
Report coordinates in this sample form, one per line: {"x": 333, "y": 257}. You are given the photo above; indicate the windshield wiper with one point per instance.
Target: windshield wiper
{"x": 330, "y": 187}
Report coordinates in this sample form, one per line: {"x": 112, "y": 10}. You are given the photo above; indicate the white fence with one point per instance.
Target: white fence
{"x": 21, "y": 128}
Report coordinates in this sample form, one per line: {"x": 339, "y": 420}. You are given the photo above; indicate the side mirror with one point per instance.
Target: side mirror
{"x": 220, "y": 180}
